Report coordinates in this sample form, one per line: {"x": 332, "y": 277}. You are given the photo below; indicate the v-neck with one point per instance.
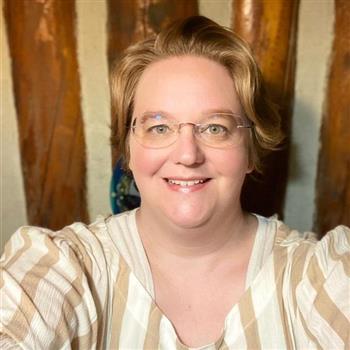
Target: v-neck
{"x": 127, "y": 239}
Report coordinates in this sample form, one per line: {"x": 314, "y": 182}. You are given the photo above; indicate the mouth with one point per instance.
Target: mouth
{"x": 186, "y": 183}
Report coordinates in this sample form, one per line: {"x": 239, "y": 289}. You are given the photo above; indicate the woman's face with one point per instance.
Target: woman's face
{"x": 185, "y": 88}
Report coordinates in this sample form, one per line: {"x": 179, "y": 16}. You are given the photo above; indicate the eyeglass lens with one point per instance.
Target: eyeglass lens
{"x": 217, "y": 130}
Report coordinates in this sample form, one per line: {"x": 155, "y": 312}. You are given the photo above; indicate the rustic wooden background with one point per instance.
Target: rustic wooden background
{"x": 41, "y": 36}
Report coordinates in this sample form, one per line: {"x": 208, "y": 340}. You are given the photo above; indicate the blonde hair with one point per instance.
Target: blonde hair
{"x": 197, "y": 36}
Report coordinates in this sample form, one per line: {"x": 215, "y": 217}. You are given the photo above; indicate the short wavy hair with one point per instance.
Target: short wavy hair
{"x": 197, "y": 36}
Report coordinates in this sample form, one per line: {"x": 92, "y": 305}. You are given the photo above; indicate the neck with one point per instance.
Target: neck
{"x": 224, "y": 233}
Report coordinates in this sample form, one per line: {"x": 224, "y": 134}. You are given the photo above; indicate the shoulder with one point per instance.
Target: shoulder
{"x": 315, "y": 279}
{"x": 35, "y": 242}
{"x": 51, "y": 278}
{"x": 332, "y": 248}
{"x": 307, "y": 254}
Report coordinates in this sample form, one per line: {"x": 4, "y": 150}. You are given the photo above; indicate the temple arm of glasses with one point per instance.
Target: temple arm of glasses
{"x": 245, "y": 126}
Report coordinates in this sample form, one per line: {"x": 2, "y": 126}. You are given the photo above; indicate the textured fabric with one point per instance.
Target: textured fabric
{"x": 90, "y": 287}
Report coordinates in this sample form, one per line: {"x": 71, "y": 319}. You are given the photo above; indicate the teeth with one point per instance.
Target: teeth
{"x": 186, "y": 183}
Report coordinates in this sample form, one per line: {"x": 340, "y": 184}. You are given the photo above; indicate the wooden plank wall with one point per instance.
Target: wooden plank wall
{"x": 271, "y": 29}
{"x": 333, "y": 181}
{"x": 47, "y": 97}
{"x": 42, "y": 42}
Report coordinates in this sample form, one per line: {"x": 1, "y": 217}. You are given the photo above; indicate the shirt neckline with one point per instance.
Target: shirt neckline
{"x": 143, "y": 275}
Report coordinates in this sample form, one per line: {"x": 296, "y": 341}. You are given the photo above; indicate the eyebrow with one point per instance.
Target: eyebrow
{"x": 162, "y": 113}
{"x": 205, "y": 112}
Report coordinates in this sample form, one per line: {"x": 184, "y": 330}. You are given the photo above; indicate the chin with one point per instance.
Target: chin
{"x": 188, "y": 217}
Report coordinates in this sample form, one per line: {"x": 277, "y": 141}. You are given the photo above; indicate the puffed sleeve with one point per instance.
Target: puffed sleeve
{"x": 46, "y": 294}
{"x": 323, "y": 295}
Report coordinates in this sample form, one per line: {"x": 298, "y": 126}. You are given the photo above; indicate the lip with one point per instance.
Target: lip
{"x": 193, "y": 184}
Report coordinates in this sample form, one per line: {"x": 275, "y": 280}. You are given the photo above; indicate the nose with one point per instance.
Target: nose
{"x": 186, "y": 150}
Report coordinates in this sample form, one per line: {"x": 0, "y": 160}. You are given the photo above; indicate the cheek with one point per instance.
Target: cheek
{"x": 143, "y": 161}
{"x": 233, "y": 163}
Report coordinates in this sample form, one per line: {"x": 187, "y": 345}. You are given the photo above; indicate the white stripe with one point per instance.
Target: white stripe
{"x": 92, "y": 57}
{"x": 235, "y": 336}
{"x": 12, "y": 199}
{"x": 325, "y": 334}
{"x": 9, "y": 304}
{"x": 29, "y": 258}
{"x": 337, "y": 282}
{"x": 264, "y": 296}
{"x": 340, "y": 242}
{"x": 52, "y": 289}
{"x": 167, "y": 335}
{"x": 135, "y": 319}
{"x": 300, "y": 336}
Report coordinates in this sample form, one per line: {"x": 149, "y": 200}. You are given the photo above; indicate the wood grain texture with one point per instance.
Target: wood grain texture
{"x": 333, "y": 179}
{"x": 133, "y": 20}
{"x": 47, "y": 96}
{"x": 270, "y": 27}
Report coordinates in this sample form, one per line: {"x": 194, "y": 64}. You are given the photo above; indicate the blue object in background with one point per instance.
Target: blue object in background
{"x": 124, "y": 194}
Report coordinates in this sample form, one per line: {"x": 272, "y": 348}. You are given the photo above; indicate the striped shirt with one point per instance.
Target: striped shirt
{"x": 90, "y": 287}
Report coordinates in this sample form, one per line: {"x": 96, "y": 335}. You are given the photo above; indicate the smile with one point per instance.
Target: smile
{"x": 186, "y": 183}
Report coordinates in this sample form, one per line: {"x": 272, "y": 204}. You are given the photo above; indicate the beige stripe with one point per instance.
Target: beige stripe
{"x": 249, "y": 322}
{"x": 20, "y": 322}
{"x": 329, "y": 311}
{"x": 152, "y": 333}
{"x": 280, "y": 258}
{"x": 71, "y": 300}
{"x": 119, "y": 302}
{"x": 297, "y": 270}
{"x": 7, "y": 343}
{"x": 222, "y": 346}
{"x": 325, "y": 306}
{"x": 220, "y": 343}
{"x": 71, "y": 235}
{"x": 86, "y": 341}
{"x": 282, "y": 233}
{"x": 315, "y": 274}
{"x": 342, "y": 258}
{"x": 68, "y": 234}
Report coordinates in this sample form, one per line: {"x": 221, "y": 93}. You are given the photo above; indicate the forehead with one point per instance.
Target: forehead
{"x": 182, "y": 85}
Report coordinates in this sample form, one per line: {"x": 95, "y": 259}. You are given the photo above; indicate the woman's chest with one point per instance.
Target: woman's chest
{"x": 197, "y": 306}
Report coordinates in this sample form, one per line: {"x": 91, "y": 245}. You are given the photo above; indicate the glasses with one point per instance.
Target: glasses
{"x": 218, "y": 130}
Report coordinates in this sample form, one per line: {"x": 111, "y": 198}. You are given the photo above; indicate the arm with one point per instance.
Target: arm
{"x": 46, "y": 299}
{"x": 324, "y": 293}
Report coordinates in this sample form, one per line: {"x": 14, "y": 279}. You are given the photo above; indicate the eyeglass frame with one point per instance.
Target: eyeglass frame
{"x": 195, "y": 126}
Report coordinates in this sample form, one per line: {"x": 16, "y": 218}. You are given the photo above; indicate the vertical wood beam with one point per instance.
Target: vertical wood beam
{"x": 47, "y": 96}
{"x": 270, "y": 27}
{"x": 133, "y": 20}
{"x": 333, "y": 180}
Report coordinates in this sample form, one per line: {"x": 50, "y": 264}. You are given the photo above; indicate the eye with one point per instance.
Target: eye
{"x": 215, "y": 129}
{"x": 160, "y": 129}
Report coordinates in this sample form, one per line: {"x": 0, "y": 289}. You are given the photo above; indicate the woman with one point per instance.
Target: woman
{"x": 189, "y": 268}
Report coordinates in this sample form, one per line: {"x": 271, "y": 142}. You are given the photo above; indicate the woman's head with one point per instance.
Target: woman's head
{"x": 197, "y": 36}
